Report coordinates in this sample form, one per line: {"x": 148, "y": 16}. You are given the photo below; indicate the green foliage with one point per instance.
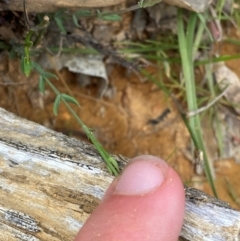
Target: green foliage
{"x": 59, "y": 19}
{"x": 108, "y": 17}
{"x": 41, "y": 84}
{"x": 56, "y": 104}
{"x": 111, "y": 163}
{"x": 64, "y": 97}
{"x": 82, "y": 13}
{"x": 70, "y": 99}
{"x": 186, "y": 40}
{"x": 26, "y": 63}
{"x": 75, "y": 21}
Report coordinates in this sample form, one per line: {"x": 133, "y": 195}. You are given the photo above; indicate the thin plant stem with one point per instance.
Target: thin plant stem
{"x": 112, "y": 165}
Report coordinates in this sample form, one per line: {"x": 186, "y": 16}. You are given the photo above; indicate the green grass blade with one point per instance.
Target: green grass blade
{"x": 193, "y": 123}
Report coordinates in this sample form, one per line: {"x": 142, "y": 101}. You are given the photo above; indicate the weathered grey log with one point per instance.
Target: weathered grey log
{"x": 54, "y": 5}
{"x": 50, "y": 183}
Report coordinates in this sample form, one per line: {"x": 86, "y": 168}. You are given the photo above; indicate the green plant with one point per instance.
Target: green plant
{"x": 189, "y": 41}
{"x": 64, "y": 98}
{"x": 28, "y": 65}
{"x": 187, "y": 50}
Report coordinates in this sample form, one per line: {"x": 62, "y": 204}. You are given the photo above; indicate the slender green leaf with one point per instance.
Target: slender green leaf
{"x": 27, "y": 66}
{"x": 110, "y": 17}
{"x": 203, "y": 21}
{"x": 41, "y": 84}
{"x": 75, "y": 21}
{"x": 22, "y": 64}
{"x": 114, "y": 163}
{"x": 59, "y": 22}
{"x": 232, "y": 192}
{"x": 56, "y": 104}
{"x": 69, "y": 98}
{"x": 38, "y": 68}
{"x": 193, "y": 124}
{"x": 50, "y": 75}
{"x": 82, "y": 13}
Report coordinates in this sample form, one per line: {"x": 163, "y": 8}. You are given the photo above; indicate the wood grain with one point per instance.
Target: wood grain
{"x": 50, "y": 184}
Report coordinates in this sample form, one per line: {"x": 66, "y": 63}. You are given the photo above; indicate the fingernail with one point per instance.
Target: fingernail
{"x": 142, "y": 175}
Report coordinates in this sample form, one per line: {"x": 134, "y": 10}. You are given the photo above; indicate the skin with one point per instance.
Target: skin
{"x": 145, "y": 203}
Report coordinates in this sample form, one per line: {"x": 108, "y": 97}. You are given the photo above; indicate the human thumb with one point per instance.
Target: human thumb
{"x": 145, "y": 203}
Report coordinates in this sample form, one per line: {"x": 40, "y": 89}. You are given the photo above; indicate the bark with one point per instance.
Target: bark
{"x": 54, "y": 5}
{"x": 50, "y": 184}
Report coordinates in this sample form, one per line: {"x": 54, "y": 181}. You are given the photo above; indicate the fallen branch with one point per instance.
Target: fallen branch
{"x": 50, "y": 184}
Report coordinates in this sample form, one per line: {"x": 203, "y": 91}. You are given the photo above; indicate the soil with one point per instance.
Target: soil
{"x": 138, "y": 118}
